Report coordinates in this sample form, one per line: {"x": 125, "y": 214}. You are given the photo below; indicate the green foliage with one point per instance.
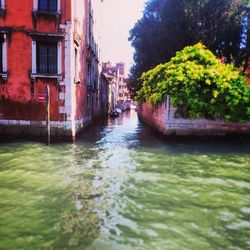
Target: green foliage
{"x": 167, "y": 26}
{"x": 199, "y": 85}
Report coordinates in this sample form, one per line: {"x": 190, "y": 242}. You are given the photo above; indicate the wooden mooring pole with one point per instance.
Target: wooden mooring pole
{"x": 48, "y": 112}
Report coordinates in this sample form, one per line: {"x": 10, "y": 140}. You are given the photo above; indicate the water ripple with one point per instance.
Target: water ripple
{"x": 120, "y": 186}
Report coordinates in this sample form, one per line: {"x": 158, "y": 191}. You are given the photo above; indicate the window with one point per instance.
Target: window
{"x": 47, "y": 5}
{"x": 47, "y": 58}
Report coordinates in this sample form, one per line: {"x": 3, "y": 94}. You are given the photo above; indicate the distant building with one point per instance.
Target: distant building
{"x": 110, "y": 72}
{"x": 96, "y": 85}
{"x": 49, "y": 43}
{"x": 104, "y": 96}
{"x": 119, "y": 94}
{"x": 124, "y": 98}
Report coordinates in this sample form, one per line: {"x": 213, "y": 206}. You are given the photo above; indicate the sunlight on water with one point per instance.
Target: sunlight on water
{"x": 122, "y": 187}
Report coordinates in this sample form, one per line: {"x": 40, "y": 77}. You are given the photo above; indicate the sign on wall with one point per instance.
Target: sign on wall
{"x": 42, "y": 98}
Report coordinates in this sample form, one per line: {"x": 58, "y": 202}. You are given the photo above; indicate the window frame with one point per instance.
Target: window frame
{"x": 49, "y": 61}
{"x": 2, "y": 4}
{"x": 36, "y": 9}
{"x": 37, "y": 38}
{"x": 2, "y": 8}
{"x": 48, "y": 6}
{"x": 3, "y": 55}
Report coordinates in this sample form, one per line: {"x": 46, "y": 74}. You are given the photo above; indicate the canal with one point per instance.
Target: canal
{"x": 122, "y": 187}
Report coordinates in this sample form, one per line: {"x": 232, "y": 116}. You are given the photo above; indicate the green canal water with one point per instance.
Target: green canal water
{"x": 121, "y": 187}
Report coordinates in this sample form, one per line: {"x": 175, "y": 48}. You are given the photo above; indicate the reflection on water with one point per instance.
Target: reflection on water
{"x": 120, "y": 186}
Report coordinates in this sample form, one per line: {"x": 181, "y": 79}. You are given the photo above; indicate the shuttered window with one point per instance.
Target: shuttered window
{"x": 46, "y": 58}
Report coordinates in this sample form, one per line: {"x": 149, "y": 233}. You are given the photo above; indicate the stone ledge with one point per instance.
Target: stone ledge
{"x": 23, "y": 129}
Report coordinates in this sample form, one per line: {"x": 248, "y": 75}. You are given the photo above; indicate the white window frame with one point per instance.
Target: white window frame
{"x": 2, "y": 4}
{"x": 4, "y": 70}
{"x": 34, "y": 70}
{"x": 35, "y": 6}
{"x": 4, "y": 54}
{"x": 4, "y": 51}
{"x": 59, "y": 58}
{"x": 34, "y": 57}
{"x": 59, "y": 6}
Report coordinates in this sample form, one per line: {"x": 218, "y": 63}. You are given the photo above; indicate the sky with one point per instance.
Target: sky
{"x": 119, "y": 16}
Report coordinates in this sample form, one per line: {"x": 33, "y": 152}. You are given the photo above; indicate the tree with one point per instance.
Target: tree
{"x": 199, "y": 85}
{"x": 169, "y": 25}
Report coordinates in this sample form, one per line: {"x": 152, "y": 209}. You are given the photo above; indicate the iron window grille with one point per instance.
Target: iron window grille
{"x": 47, "y": 58}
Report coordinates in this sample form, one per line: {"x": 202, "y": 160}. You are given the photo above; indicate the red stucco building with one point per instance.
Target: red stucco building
{"x": 47, "y": 43}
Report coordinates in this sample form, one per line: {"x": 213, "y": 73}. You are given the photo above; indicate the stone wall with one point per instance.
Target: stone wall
{"x": 162, "y": 117}
{"x": 39, "y": 129}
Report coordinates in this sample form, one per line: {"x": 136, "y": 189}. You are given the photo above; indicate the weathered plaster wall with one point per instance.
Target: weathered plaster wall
{"x": 17, "y": 101}
{"x": 19, "y": 104}
{"x": 79, "y": 29}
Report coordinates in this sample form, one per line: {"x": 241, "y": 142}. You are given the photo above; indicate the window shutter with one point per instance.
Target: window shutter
{"x": 52, "y": 5}
{"x": 47, "y": 58}
{"x": 52, "y": 59}
{"x": 43, "y": 59}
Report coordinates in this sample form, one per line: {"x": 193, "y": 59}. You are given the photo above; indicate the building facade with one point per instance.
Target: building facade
{"x": 119, "y": 95}
{"x": 110, "y": 73}
{"x": 104, "y": 91}
{"x": 47, "y": 44}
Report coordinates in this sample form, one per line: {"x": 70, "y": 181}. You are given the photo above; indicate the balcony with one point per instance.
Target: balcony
{"x": 35, "y": 76}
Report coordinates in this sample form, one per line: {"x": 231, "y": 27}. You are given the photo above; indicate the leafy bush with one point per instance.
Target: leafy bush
{"x": 199, "y": 85}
